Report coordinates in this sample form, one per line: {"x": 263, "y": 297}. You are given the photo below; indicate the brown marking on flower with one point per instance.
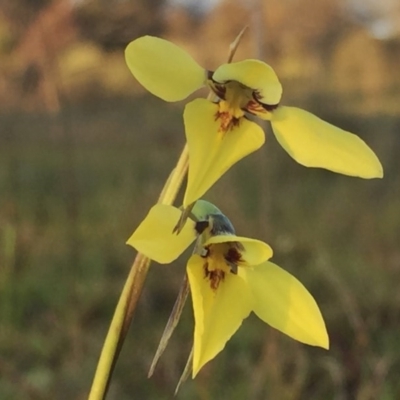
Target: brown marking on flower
{"x": 233, "y": 256}
{"x": 254, "y": 107}
{"x": 215, "y": 276}
{"x": 218, "y": 88}
{"x": 238, "y": 246}
{"x": 269, "y": 107}
{"x": 206, "y": 270}
{"x": 227, "y": 120}
{"x": 258, "y": 98}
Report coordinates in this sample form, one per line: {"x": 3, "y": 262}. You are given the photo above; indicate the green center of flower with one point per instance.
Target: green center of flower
{"x": 220, "y": 260}
{"x": 235, "y": 99}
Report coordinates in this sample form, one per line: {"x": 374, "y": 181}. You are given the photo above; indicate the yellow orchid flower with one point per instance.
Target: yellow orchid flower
{"x": 218, "y": 132}
{"x": 229, "y": 276}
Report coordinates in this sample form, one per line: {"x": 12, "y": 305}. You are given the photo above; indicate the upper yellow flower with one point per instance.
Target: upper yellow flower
{"x": 218, "y": 132}
{"x": 229, "y": 277}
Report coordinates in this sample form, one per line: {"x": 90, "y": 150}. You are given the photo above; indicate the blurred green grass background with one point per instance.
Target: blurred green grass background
{"x": 76, "y": 181}
{"x": 62, "y": 271}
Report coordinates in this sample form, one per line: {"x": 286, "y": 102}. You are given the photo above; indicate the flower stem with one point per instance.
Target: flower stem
{"x": 127, "y": 302}
{"x": 130, "y": 294}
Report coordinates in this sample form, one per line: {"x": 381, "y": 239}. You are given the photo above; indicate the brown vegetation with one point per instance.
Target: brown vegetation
{"x": 313, "y": 47}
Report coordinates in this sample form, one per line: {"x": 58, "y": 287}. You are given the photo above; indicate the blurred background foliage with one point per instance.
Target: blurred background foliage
{"x": 84, "y": 152}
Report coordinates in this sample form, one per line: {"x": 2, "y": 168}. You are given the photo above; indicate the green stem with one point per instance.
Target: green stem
{"x": 130, "y": 294}
{"x": 133, "y": 286}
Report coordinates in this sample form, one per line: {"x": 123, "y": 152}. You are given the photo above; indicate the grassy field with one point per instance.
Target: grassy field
{"x": 73, "y": 187}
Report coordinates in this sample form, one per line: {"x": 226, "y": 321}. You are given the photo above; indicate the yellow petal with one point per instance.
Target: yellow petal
{"x": 283, "y": 302}
{"x": 212, "y": 153}
{"x": 313, "y": 142}
{"x": 254, "y": 74}
{"x": 163, "y": 68}
{"x": 253, "y": 251}
{"x": 218, "y": 313}
{"x": 154, "y": 237}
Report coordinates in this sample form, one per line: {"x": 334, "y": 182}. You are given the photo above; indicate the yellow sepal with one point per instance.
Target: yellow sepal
{"x": 154, "y": 237}
{"x": 313, "y": 142}
{"x": 283, "y": 302}
{"x": 163, "y": 68}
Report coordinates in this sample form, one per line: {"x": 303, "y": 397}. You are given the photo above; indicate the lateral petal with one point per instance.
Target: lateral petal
{"x": 154, "y": 237}
{"x": 218, "y": 312}
{"x": 253, "y": 251}
{"x": 313, "y": 142}
{"x": 163, "y": 68}
{"x": 212, "y": 152}
{"x": 283, "y": 302}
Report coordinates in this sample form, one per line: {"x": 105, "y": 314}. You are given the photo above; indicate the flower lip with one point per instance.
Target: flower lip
{"x": 232, "y": 256}
{"x": 253, "y": 104}
{"x": 220, "y": 260}
{"x": 253, "y": 75}
{"x": 252, "y": 252}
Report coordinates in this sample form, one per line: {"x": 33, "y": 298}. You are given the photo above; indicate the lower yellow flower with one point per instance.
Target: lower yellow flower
{"x": 221, "y": 300}
{"x": 230, "y": 276}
